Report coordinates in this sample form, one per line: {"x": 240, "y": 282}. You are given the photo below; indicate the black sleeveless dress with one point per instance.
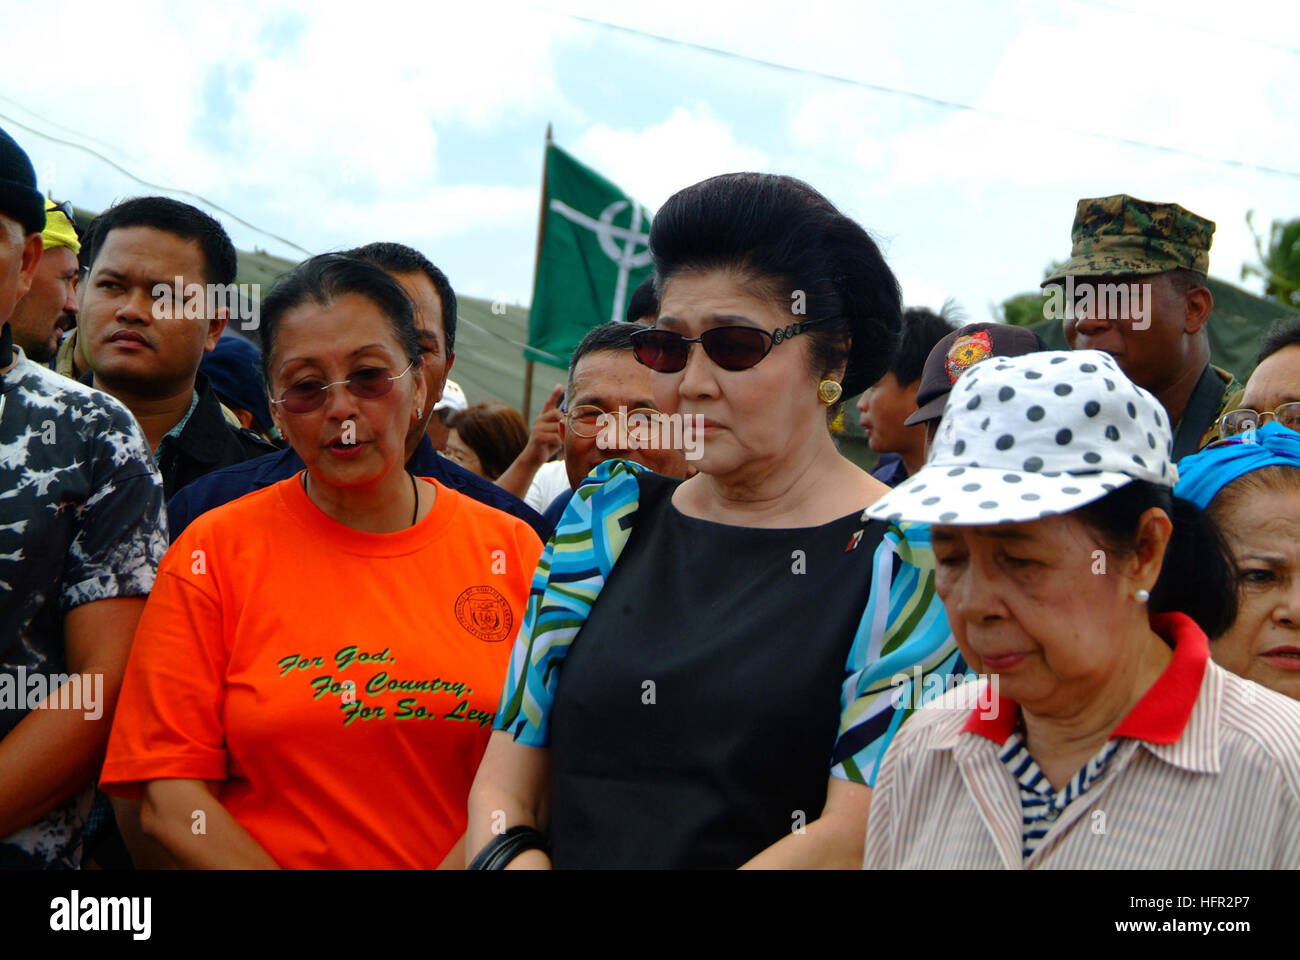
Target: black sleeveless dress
{"x": 696, "y": 712}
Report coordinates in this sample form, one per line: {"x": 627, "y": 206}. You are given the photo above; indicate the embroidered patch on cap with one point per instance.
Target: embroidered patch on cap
{"x": 967, "y": 351}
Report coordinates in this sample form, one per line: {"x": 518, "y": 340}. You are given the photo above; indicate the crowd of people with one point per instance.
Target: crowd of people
{"x": 295, "y": 600}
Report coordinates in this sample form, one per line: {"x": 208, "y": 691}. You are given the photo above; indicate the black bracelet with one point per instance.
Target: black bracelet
{"x": 504, "y": 847}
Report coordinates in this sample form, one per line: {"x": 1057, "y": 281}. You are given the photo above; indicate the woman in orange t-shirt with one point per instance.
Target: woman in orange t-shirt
{"x": 315, "y": 675}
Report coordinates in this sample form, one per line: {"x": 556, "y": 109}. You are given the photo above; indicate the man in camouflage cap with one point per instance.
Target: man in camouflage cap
{"x": 1134, "y": 287}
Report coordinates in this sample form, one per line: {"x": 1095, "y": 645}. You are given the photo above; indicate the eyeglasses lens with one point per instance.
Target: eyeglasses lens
{"x": 369, "y": 383}
{"x": 734, "y": 348}
{"x": 660, "y": 350}
{"x": 731, "y": 348}
{"x": 585, "y": 420}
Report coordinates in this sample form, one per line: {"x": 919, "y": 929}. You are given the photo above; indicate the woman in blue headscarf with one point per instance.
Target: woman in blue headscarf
{"x": 1250, "y": 486}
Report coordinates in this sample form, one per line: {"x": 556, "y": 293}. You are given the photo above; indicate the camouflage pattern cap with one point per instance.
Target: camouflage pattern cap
{"x": 1121, "y": 235}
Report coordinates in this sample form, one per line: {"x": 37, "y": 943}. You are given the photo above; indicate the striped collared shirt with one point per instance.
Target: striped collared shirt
{"x": 1206, "y": 776}
{"x": 1040, "y": 803}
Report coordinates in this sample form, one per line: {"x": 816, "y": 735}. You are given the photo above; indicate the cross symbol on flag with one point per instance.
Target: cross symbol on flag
{"x": 627, "y": 256}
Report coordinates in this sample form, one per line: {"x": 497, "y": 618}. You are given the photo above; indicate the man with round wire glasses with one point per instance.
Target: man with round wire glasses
{"x": 1273, "y": 390}
{"x": 604, "y": 379}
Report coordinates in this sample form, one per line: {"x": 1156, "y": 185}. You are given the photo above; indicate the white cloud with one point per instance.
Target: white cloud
{"x": 334, "y": 124}
{"x": 656, "y": 161}
{"x": 436, "y": 214}
{"x": 292, "y": 117}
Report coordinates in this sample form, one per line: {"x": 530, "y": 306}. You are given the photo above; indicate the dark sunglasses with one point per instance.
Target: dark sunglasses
{"x": 64, "y": 208}
{"x": 731, "y": 348}
{"x": 368, "y": 383}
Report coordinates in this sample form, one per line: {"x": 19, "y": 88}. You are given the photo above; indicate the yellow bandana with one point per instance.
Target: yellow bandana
{"x": 58, "y": 230}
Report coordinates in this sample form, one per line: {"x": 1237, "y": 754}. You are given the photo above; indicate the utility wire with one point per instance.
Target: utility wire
{"x": 927, "y": 99}
{"x": 58, "y": 126}
{"x": 290, "y": 243}
{"x": 154, "y": 186}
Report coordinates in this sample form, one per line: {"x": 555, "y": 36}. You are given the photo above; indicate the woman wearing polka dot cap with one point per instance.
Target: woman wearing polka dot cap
{"x": 1084, "y": 592}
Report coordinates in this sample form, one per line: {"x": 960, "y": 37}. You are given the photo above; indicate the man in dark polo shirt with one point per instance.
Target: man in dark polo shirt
{"x": 1135, "y": 286}
{"x": 435, "y": 321}
{"x": 147, "y": 357}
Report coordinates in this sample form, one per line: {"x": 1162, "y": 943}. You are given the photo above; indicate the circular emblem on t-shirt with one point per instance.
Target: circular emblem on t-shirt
{"x": 484, "y": 612}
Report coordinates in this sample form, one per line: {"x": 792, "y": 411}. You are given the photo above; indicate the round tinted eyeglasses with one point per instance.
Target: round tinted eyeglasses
{"x": 368, "y": 383}
{"x": 1243, "y": 419}
{"x": 730, "y": 347}
{"x": 585, "y": 420}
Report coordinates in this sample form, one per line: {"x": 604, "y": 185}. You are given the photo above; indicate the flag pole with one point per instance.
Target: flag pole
{"x": 537, "y": 260}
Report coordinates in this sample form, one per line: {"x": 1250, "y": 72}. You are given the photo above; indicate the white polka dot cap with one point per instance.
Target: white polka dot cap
{"x": 1032, "y": 436}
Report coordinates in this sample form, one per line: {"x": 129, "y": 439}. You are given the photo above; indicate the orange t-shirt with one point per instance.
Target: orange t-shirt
{"x": 341, "y": 685}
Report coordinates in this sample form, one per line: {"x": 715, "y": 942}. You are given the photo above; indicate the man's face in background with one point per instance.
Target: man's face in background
{"x": 434, "y": 357}
{"x": 50, "y": 306}
{"x": 124, "y": 343}
{"x": 19, "y": 255}
{"x": 610, "y": 379}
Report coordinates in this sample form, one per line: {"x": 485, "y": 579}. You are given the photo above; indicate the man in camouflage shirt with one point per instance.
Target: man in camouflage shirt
{"x": 82, "y": 531}
{"x": 1134, "y": 287}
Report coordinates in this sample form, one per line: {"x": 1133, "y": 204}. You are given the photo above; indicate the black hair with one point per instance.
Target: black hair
{"x": 1184, "y": 280}
{"x": 922, "y": 330}
{"x": 613, "y": 336}
{"x": 1285, "y": 333}
{"x": 794, "y": 247}
{"x": 325, "y": 278}
{"x": 644, "y": 302}
{"x": 399, "y": 258}
{"x": 172, "y": 216}
{"x": 1198, "y": 576}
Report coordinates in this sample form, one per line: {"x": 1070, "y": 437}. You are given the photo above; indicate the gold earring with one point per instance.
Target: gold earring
{"x": 828, "y": 391}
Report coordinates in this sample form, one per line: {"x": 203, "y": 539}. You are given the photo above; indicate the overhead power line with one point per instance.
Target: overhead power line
{"x": 153, "y": 186}
{"x": 939, "y": 102}
{"x": 186, "y": 193}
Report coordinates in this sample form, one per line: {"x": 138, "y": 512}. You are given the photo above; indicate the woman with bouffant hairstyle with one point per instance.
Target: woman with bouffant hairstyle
{"x": 698, "y": 679}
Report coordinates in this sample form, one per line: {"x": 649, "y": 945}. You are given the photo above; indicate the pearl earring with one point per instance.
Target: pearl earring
{"x": 1143, "y": 596}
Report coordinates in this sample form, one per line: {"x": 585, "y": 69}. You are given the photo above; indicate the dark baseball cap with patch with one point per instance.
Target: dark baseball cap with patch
{"x": 960, "y": 350}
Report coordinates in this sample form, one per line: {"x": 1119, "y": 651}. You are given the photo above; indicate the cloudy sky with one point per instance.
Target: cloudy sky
{"x": 332, "y": 124}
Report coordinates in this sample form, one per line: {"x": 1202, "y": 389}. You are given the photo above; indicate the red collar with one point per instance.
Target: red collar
{"x": 1162, "y": 713}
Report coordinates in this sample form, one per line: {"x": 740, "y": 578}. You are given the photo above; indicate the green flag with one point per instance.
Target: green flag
{"x": 593, "y": 253}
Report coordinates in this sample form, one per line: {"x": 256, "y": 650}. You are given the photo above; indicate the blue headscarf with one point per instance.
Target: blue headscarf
{"x": 1202, "y": 475}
